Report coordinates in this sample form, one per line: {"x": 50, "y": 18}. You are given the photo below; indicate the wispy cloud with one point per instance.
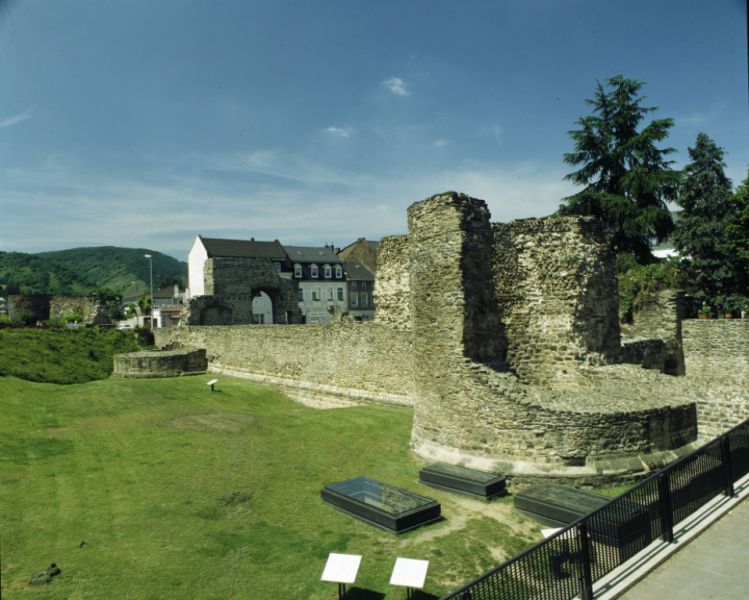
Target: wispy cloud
{"x": 491, "y": 130}
{"x": 397, "y": 86}
{"x": 298, "y": 200}
{"x": 15, "y": 119}
{"x": 341, "y": 132}
{"x": 440, "y": 143}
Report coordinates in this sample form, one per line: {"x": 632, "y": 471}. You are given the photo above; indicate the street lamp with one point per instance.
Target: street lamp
{"x": 150, "y": 264}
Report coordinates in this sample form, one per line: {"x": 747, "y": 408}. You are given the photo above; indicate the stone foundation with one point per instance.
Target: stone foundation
{"x": 160, "y": 363}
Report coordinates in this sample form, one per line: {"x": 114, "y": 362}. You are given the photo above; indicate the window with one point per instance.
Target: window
{"x": 313, "y": 272}
{"x": 316, "y": 294}
{"x": 340, "y": 293}
{"x": 328, "y": 272}
{"x": 338, "y": 272}
{"x": 330, "y": 293}
{"x": 298, "y": 271}
{"x": 363, "y": 285}
{"x": 364, "y": 297}
{"x": 277, "y": 266}
{"x": 300, "y": 295}
{"x": 354, "y": 298}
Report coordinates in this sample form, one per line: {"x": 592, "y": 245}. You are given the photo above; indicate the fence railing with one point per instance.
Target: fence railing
{"x": 567, "y": 564}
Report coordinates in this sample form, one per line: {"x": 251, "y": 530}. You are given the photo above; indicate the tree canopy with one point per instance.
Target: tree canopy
{"x": 709, "y": 212}
{"x": 627, "y": 178}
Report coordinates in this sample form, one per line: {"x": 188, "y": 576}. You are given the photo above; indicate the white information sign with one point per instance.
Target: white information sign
{"x": 409, "y": 572}
{"x": 341, "y": 568}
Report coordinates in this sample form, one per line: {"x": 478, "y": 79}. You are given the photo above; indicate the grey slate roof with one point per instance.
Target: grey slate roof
{"x": 355, "y": 271}
{"x": 243, "y": 248}
{"x": 308, "y": 254}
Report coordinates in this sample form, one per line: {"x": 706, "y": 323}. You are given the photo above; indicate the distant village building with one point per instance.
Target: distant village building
{"x": 360, "y": 282}
{"x": 249, "y": 281}
{"x": 234, "y": 282}
{"x": 318, "y": 273}
{"x": 363, "y": 251}
{"x": 167, "y": 306}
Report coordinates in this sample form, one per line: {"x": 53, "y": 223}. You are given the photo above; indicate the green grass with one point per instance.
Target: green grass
{"x": 182, "y": 493}
{"x": 62, "y": 355}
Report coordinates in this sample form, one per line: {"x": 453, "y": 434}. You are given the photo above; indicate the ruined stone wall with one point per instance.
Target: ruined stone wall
{"x": 392, "y": 293}
{"x": 716, "y": 353}
{"x": 354, "y": 361}
{"x": 160, "y": 363}
{"x": 556, "y": 294}
{"x": 40, "y": 307}
{"x": 230, "y": 285}
{"x": 660, "y": 318}
{"x": 92, "y": 310}
{"x": 471, "y": 408}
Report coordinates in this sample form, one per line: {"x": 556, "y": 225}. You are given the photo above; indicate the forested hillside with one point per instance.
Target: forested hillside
{"x": 80, "y": 270}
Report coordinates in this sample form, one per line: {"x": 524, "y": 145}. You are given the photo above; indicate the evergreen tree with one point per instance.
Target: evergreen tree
{"x": 738, "y": 232}
{"x": 709, "y": 211}
{"x": 626, "y": 176}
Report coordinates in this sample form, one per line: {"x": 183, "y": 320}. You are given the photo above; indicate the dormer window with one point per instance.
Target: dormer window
{"x": 298, "y": 271}
{"x": 338, "y": 272}
{"x": 328, "y": 273}
{"x": 313, "y": 272}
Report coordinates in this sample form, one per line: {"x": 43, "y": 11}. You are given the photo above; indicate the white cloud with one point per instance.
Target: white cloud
{"x": 341, "y": 132}
{"x": 440, "y": 143}
{"x": 397, "y": 86}
{"x": 15, "y": 119}
{"x": 298, "y": 201}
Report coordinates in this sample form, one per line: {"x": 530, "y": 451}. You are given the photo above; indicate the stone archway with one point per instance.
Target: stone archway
{"x": 262, "y": 309}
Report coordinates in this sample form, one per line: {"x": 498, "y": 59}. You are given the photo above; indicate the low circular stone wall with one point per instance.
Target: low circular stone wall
{"x": 161, "y": 363}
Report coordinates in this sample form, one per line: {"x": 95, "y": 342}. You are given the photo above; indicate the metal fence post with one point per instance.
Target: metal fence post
{"x": 664, "y": 507}
{"x": 725, "y": 457}
{"x": 586, "y": 577}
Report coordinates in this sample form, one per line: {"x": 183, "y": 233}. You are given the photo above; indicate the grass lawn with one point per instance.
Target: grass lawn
{"x": 161, "y": 489}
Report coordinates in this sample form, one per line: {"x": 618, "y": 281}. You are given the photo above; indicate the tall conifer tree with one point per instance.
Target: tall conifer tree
{"x": 626, "y": 176}
{"x": 709, "y": 212}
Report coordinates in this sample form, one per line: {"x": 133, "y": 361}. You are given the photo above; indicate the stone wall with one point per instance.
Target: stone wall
{"x": 392, "y": 293}
{"x": 557, "y": 297}
{"x": 94, "y": 313}
{"x": 474, "y": 409}
{"x": 230, "y": 285}
{"x": 717, "y": 371}
{"x": 351, "y": 360}
{"x": 660, "y": 318}
{"x": 40, "y": 307}
{"x": 160, "y": 363}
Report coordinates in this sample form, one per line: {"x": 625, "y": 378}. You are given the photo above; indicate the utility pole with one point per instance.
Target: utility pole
{"x": 150, "y": 264}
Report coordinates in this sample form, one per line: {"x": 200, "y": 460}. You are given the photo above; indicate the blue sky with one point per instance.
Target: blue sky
{"x": 144, "y": 123}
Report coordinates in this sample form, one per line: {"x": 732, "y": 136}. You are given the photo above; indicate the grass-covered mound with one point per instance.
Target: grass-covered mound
{"x": 62, "y": 355}
{"x": 162, "y": 489}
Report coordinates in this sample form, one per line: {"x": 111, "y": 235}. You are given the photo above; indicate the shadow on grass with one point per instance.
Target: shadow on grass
{"x": 357, "y": 593}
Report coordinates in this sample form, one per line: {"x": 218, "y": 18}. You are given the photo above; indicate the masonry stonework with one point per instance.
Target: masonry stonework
{"x": 505, "y": 340}
{"x": 717, "y": 372}
{"x": 231, "y": 284}
{"x": 392, "y": 293}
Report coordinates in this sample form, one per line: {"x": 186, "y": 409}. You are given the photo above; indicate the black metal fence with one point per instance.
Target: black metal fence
{"x": 566, "y": 565}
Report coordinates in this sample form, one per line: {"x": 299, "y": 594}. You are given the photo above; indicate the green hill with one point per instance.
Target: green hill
{"x": 31, "y": 274}
{"x": 80, "y": 270}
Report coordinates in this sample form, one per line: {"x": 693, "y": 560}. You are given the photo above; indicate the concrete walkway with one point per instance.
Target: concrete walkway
{"x": 709, "y": 558}
{"x": 715, "y": 565}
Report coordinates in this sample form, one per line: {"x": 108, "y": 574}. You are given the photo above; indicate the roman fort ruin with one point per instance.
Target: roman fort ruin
{"x": 505, "y": 340}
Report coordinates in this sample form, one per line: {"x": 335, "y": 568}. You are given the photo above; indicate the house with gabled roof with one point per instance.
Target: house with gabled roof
{"x": 360, "y": 286}
{"x": 318, "y": 272}
{"x": 235, "y": 282}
